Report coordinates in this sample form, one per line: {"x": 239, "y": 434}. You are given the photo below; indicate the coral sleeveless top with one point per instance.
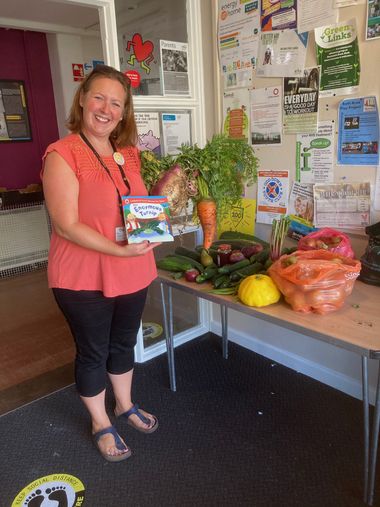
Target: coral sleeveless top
{"x": 77, "y": 268}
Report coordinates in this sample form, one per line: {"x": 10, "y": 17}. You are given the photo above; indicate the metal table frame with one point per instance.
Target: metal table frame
{"x": 225, "y": 302}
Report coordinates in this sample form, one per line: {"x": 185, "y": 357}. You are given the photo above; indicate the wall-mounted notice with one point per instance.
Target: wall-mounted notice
{"x": 301, "y": 96}
{"x": 240, "y": 217}
{"x": 281, "y": 54}
{"x": 175, "y": 77}
{"x": 276, "y": 15}
{"x": 376, "y": 197}
{"x": 236, "y": 114}
{"x": 301, "y": 201}
{"x": 358, "y": 135}
{"x": 338, "y": 55}
{"x": 309, "y": 17}
{"x": 342, "y": 205}
{"x": 238, "y": 36}
{"x": 176, "y": 131}
{"x": 266, "y": 116}
{"x": 148, "y": 129}
{"x": 315, "y": 155}
{"x": 272, "y": 195}
{"x": 373, "y": 19}
{"x": 14, "y": 120}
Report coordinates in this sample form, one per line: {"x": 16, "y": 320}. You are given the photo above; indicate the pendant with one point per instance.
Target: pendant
{"x": 118, "y": 158}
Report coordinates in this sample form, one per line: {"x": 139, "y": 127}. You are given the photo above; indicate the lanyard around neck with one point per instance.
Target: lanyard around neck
{"x": 122, "y": 173}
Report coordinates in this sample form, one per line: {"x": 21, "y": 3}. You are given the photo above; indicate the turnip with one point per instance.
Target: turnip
{"x": 172, "y": 184}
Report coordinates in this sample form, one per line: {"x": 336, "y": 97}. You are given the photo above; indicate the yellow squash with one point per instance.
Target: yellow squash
{"x": 258, "y": 290}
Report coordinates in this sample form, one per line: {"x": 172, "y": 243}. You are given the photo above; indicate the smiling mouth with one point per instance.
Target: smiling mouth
{"x": 101, "y": 119}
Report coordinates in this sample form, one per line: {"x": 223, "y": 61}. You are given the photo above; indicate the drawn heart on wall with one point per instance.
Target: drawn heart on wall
{"x": 142, "y": 49}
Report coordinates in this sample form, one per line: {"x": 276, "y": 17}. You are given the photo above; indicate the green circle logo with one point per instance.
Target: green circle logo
{"x": 55, "y": 489}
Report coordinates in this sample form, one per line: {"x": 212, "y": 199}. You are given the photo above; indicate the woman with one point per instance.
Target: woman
{"x": 98, "y": 280}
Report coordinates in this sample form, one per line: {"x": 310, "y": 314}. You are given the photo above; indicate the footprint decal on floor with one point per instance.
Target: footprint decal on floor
{"x": 49, "y": 498}
{"x": 54, "y": 490}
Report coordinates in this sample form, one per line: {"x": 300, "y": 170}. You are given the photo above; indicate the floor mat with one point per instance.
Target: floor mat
{"x": 243, "y": 431}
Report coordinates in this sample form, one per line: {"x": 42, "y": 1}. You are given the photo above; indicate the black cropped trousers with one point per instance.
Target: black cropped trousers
{"x": 105, "y": 332}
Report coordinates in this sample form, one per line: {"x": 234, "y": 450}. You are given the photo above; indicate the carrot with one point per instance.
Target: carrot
{"x": 206, "y": 210}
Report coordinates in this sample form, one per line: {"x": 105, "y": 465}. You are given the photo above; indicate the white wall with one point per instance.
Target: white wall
{"x": 333, "y": 366}
{"x": 65, "y": 49}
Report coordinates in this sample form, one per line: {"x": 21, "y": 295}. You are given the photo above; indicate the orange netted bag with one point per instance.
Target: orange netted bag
{"x": 315, "y": 280}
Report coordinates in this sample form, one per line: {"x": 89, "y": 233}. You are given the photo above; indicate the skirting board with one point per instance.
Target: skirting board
{"x": 332, "y": 378}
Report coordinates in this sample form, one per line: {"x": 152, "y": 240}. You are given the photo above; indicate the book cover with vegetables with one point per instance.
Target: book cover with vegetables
{"x": 147, "y": 218}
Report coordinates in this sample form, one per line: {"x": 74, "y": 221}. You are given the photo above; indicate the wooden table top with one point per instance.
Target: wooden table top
{"x": 354, "y": 327}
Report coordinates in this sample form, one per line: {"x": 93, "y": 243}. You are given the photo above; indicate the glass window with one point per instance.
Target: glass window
{"x": 146, "y": 31}
{"x": 185, "y": 306}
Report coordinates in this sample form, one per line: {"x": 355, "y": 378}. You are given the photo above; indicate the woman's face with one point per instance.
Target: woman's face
{"x": 103, "y": 106}
{"x": 300, "y": 207}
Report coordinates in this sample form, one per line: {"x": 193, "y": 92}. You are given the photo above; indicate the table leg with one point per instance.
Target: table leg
{"x": 224, "y": 319}
{"x": 366, "y": 423}
{"x": 168, "y": 326}
{"x": 374, "y": 444}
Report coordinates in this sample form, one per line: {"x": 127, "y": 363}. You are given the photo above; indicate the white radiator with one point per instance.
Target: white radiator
{"x": 24, "y": 236}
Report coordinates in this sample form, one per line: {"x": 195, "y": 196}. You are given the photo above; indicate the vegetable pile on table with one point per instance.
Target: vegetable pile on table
{"x": 317, "y": 279}
{"x": 247, "y": 257}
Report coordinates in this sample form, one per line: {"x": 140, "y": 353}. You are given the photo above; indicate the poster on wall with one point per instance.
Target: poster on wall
{"x": 301, "y": 96}
{"x": 14, "y": 119}
{"x": 301, "y": 201}
{"x": 358, "y": 134}
{"x": 342, "y": 205}
{"x": 315, "y": 155}
{"x": 148, "y": 130}
{"x": 347, "y": 3}
{"x": 240, "y": 217}
{"x": 281, "y": 54}
{"x": 276, "y": 15}
{"x": 176, "y": 131}
{"x": 236, "y": 114}
{"x": 174, "y": 67}
{"x": 373, "y": 19}
{"x": 140, "y": 62}
{"x": 266, "y": 116}
{"x": 335, "y": 44}
{"x": 238, "y": 36}
{"x": 309, "y": 17}
{"x": 272, "y": 195}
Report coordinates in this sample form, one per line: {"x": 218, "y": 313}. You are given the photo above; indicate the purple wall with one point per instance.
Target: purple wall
{"x": 24, "y": 56}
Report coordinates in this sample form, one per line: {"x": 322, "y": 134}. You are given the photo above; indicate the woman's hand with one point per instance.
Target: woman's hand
{"x": 136, "y": 249}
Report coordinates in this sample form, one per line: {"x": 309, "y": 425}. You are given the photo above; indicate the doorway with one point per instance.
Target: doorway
{"x": 36, "y": 347}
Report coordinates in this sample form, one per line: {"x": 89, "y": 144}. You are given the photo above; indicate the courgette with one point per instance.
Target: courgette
{"x": 262, "y": 256}
{"x": 252, "y": 269}
{"x": 195, "y": 264}
{"x": 186, "y": 252}
{"x": 227, "y": 235}
{"x": 207, "y": 274}
{"x": 173, "y": 264}
{"x": 221, "y": 280}
{"x": 229, "y": 268}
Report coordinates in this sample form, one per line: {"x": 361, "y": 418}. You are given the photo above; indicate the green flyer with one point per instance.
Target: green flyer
{"x": 338, "y": 55}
